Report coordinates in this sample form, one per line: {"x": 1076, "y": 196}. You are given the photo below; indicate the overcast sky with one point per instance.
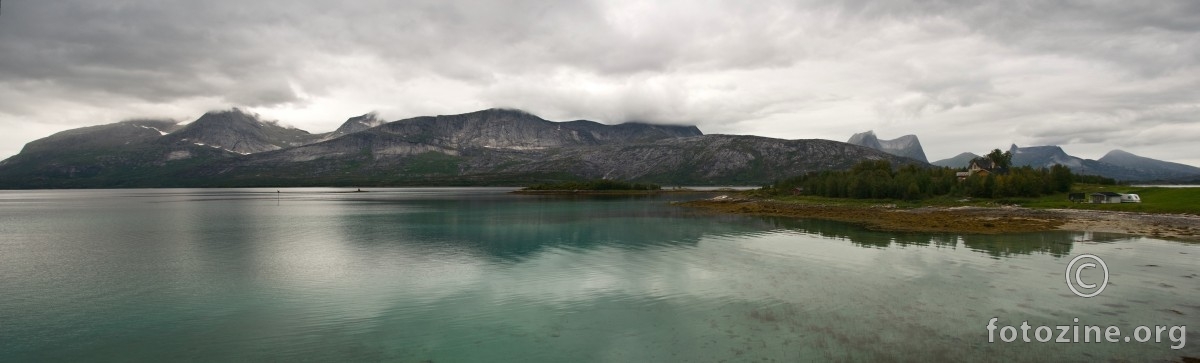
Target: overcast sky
{"x": 1089, "y": 75}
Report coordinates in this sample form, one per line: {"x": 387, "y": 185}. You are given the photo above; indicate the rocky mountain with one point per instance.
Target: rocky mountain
{"x": 493, "y": 147}
{"x": 730, "y": 159}
{"x": 958, "y": 161}
{"x": 240, "y": 132}
{"x": 112, "y": 155}
{"x": 907, "y": 146}
{"x": 355, "y": 124}
{"x": 101, "y": 137}
{"x": 494, "y": 129}
{"x": 376, "y": 157}
{"x": 518, "y": 130}
{"x": 1151, "y": 169}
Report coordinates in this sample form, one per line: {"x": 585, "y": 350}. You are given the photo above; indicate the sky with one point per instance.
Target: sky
{"x": 1090, "y": 76}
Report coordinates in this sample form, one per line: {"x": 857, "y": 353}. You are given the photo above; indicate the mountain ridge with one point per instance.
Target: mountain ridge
{"x": 958, "y": 161}
{"x": 355, "y": 124}
{"x": 487, "y": 147}
{"x": 1151, "y": 168}
{"x": 1050, "y": 155}
{"x": 240, "y": 132}
{"x": 492, "y": 146}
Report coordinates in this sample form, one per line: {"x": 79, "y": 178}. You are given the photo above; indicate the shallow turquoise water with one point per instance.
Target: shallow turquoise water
{"x": 474, "y": 274}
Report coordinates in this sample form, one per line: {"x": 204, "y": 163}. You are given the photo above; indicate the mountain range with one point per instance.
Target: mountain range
{"x": 1117, "y": 164}
{"x": 489, "y": 147}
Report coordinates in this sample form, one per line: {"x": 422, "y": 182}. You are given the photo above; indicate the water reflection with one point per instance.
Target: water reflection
{"x": 1054, "y": 243}
{"x": 513, "y": 228}
{"x": 479, "y": 275}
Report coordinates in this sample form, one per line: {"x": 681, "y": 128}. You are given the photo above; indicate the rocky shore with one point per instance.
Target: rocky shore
{"x": 966, "y": 219}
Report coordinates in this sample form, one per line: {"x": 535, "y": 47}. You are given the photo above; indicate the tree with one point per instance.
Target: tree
{"x": 874, "y": 179}
{"x": 1001, "y": 159}
{"x": 913, "y": 192}
{"x": 1061, "y": 176}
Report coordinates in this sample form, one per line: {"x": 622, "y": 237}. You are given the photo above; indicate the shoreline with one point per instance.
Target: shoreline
{"x": 965, "y": 219}
{"x": 618, "y": 192}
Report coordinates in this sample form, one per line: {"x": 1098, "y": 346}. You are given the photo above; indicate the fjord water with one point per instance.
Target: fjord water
{"x": 476, "y": 274}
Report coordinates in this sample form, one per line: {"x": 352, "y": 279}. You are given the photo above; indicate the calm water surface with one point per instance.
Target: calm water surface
{"x": 474, "y": 274}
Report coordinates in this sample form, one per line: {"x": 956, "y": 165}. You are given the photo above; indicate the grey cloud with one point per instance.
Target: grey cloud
{"x": 153, "y": 51}
{"x": 939, "y": 92}
{"x": 1150, "y": 38}
{"x": 1004, "y": 67}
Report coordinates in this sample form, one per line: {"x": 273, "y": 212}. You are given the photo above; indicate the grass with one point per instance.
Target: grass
{"x": 903, "y": 215}
{"x": 1154, "y": 200}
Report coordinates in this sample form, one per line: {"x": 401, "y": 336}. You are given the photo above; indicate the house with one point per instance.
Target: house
{"x": 1130, "y": 198}
{"x": 981, "y": 167}
{"x": 1077, "y": 197}
{"x": 1106, "y": 197}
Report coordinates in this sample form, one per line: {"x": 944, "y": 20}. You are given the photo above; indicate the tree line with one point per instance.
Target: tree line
{"x": 876, "y": 179}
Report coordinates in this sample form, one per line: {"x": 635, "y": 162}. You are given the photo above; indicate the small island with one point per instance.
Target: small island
{"x": 599, "y": 187}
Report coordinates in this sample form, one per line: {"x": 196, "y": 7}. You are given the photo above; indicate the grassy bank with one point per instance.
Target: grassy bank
{"x": 1165, "y": 212}
{"x": 1154, "y": 200}
{"x": 891, "y": 218}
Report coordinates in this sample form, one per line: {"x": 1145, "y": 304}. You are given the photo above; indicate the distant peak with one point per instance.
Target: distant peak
{"x": 234, "y": 111}
{"x": 870, "y": 133}
{"x": 510, "y": 110}
{"x": 867, "y": 138}
{"x": 357, "y": 123}
{"x": 1043, "y": 147}
{"x": 907, "y": 146}
{"x": 235, "y": 116}
{"x": 1040, "y": 150}
{"x": 148, "y": 120}
{"x": 497, "y": 112}
{"x": 366, "y": 117}
{"x": 229, "y": 110}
